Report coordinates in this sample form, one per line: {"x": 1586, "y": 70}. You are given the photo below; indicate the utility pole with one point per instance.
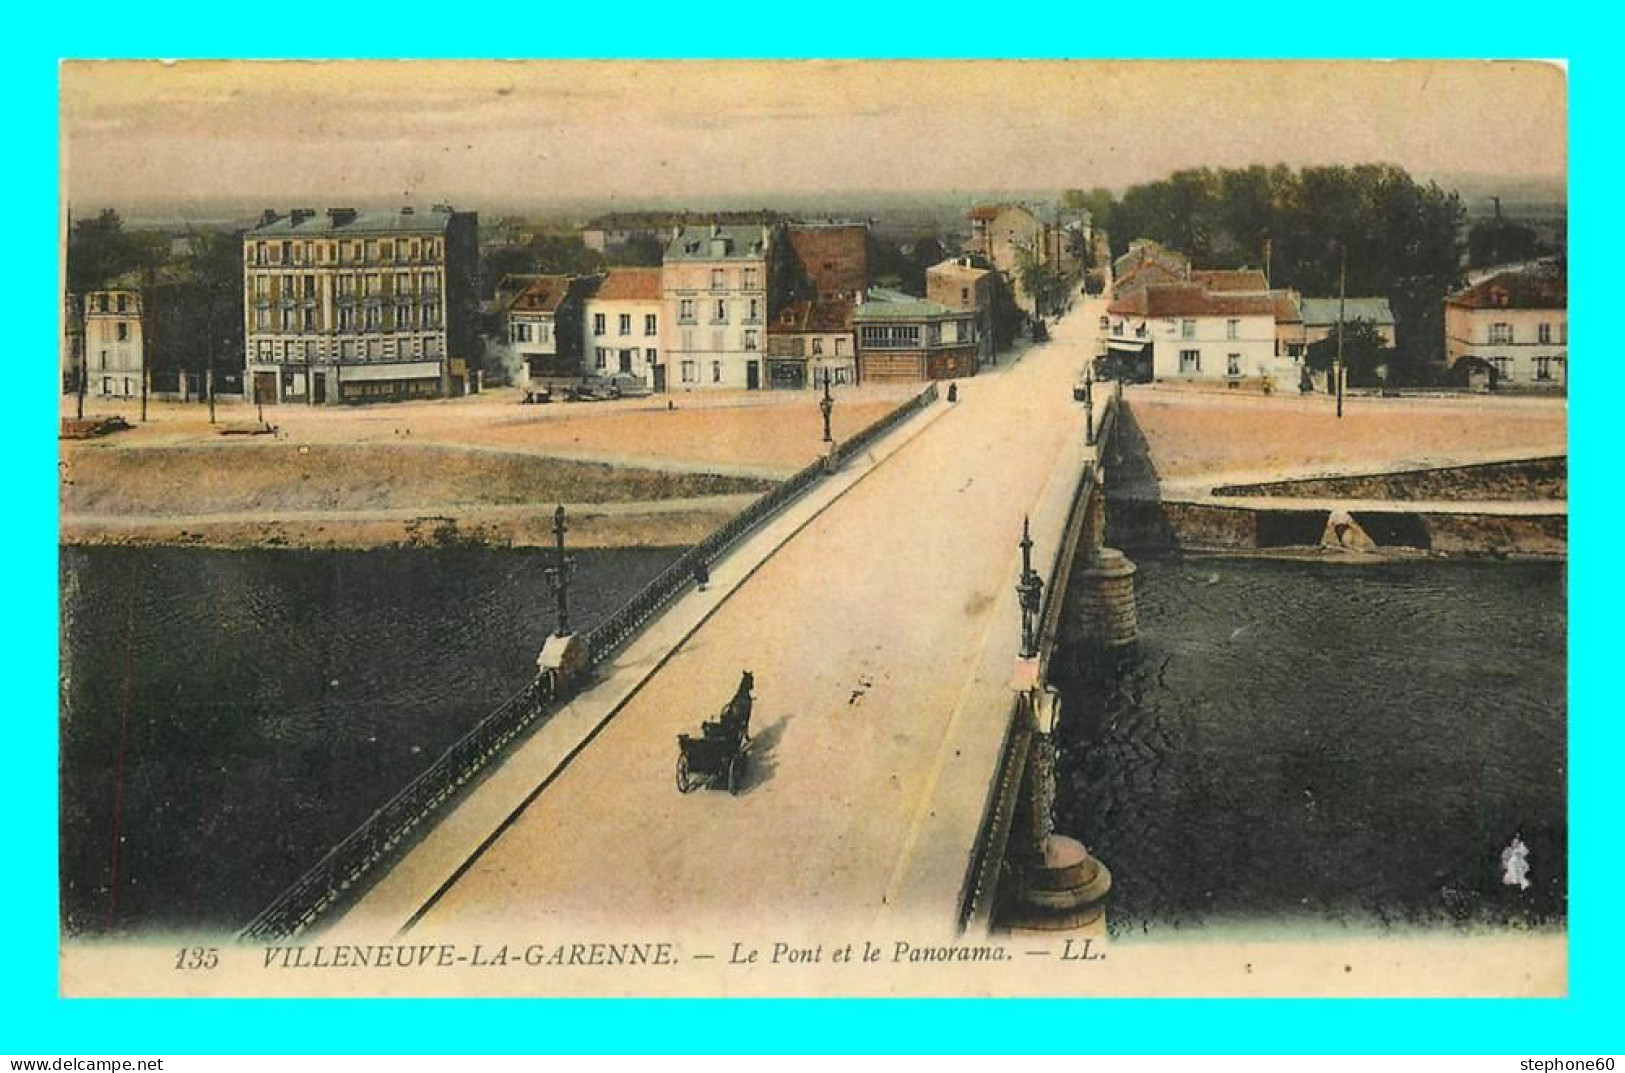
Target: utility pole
{"x": 558, "y": 575}
{"x": 149, "y": 337}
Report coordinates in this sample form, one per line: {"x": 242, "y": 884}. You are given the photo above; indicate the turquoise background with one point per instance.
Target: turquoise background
{"x": 33, "y": 1020}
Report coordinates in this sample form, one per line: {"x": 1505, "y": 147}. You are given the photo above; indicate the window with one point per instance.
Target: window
{"x": 719, "y": 312}
{"x": 1544, "y": 335}
{"x": 375, "y": 318}
{"x": 1190, "y": 361}
{"x": 685, "y": 310}
{"x": 403, "y": 316}
{"x": 891, "y": 337}
{"x": 346, "y": 318}
{"x": 690, "y": 372}
{"x": 600, "y": 358}
{"x": 521, "y": 333}
{"x": 544, "y": 332}
{"x": 1232, "y": 329}
{"x": 649, "y": 355}
{"x": 753, "y": 314}
{"x": 716, "y": 372}
{"x": 346, "y": 286}
{"x": 386, "y": 250}
{"x": 964, "y": 295}
{"x": 650, "y": 324}
{"x": 403, "y": 283}
{"x": 1187, "y": 329}
{"x": 750, "y": 340}
{"x": 840, "y": 346}
{"x": 262, "y": 318}
{"x": 626, "y": 323}
{"x": 719, "y": 279}
{"x": 123, "y": 331}
{"x": 123, "y": 303}
{"x": 627, "y": 356}
{"x": 1503, "y": 367}
{"x": 598, "y": 324}
{"x": 1232, "y": 365}
{"x": 103, "y": 363}
{"x": 817, "y": 346}
{"x": 1548, "y": 368}
{"x": 1500, "y": 333}
{"x": 840, "y": 375}
{"x": 749, "y": 281}
{"x": 309, "y": 320}
{"x": 289, "y": 321}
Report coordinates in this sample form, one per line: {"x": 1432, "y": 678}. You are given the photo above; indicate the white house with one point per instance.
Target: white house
{"x": 1184, "y": 331}
{"x": 621, "y": 327}
{"x": 112, "y": 344}
{"x": 714, "y": 297}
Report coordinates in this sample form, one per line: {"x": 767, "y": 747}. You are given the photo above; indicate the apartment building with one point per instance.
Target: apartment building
{"x": 714, "y": 299}
{"x": 348, "y": 306}
{"x": 112, "y": 344}
{"x": 621, "y": 329}
{"x": 1512, "y": 329}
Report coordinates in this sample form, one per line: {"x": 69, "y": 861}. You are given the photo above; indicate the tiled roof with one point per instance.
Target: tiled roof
{"x": 342, "y": 222}
{"x": 745, "y": 243}
{"x": 1324, "y": 310}
{"x": 630, "y": 285}
{"x": 543, "y": 296}
{"x": 1191, "y": 300}
{"x": 1517, "y": 290}
{"x": 953, "y": 266}
{"x": 984, "y": 212}
{"x": 1147, "y": 274}
{"x": 1226, "y": 279}
{"x": 1287, "y": 308}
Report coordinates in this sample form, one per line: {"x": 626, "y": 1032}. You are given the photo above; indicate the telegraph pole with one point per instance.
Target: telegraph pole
{"x": 1342, "y": 308}
{"x": 149, "y": 337}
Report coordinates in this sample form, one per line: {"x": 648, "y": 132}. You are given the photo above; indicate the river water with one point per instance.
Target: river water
{"x": 229, "y": 715}
{"x": 1293, "y": 740}
{"x": 1330, "y": 744}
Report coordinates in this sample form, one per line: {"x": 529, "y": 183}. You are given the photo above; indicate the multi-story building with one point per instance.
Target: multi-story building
{"x": 832, "y": 259}
{"x": 621, "y": 330}
{"x": 1146, "y": 264}
{"x": 714, "y": 297}
{"x": 113, "y": 344}
{"x": 1512, "y": 328}
{"x": 962, "y": 284}
{"x": 347, "y": 306}
{"x": 808, "y": 341}
{"x": 542, "y": 332}
{"x": 73, "y": 343}
{"x": 1184, "y": 331}
{"x": 1008, "y": 235}
{"x": 901, "y": 337}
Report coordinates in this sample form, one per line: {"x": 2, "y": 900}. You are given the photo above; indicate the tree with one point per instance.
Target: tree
{"x": 100, "y": 250}
{"x": 1496, "y": 242}
{"x": 1366, "y": 356}
{"x": 1042, "y": 281}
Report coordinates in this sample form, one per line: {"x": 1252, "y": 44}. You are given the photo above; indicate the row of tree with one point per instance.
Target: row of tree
{"x": 1398, "y": 238}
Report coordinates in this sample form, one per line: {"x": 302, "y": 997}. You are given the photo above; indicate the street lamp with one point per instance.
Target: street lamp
{"x": 559, "y": 574}
{"x": 1029, "y": 590}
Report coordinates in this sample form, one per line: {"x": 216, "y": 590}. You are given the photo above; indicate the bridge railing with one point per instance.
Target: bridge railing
{"x": 332, "y": 878}
{"x": 605, "y": 639}
{"x": 337, "y": 875}
{"x": 981, "y": 884}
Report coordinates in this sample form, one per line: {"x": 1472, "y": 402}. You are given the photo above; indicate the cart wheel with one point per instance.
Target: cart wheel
{"x": 684, "y": 783}
{"x": 736, "y": 774}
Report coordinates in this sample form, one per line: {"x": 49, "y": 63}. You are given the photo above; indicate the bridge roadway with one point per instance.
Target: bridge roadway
{"x": 881, "y": 636}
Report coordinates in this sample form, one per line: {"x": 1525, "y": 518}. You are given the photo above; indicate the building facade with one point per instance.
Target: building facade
{"x": 113, "y": 344}
{"x": 902, "y": 338}
{"x": 1321, "y": 315}
{"x": 808, "y": 341}
{"x": 1007, "y": 235}
{"x": 962, "y": 285}
{"x": 542, "y": 333}
{"x": 1512, "y": 328}
{"x": 621, "y": 331}
{"x": 1186, "y": 332}
{"x": 346, "y": 306}
{"x": 714, "y": 300}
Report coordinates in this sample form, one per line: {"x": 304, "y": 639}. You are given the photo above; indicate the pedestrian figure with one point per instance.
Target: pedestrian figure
{"x": 702, "y": 575}
{"x": 953, "y": 392}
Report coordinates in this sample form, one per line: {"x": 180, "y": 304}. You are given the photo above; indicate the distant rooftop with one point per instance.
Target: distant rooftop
{"x": 630, "y": 285}
{"x": 1534, "y": 289}
{"x": 719, "y": 242}
{"x": 1323, "y": 311}
{"x": 308, "y": 222}
{"x": 884, "y": 304}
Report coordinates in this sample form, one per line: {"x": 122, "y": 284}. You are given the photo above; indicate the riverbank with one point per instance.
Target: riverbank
{"x": 487, "y": 470}
{"x": 1398, "y": 478}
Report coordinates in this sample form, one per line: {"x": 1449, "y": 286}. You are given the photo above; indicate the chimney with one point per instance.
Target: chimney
{"x": 269, "y": 216}
{"x": 299, "y": 216}
{"x": 340, "y": 217}
{"x": 406, "y": 210}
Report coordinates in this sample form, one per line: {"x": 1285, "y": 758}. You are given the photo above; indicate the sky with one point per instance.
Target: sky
{"x": 471, "y": 131}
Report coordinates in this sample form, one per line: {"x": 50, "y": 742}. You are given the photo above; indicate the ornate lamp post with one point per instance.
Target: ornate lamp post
{"x": 559, "y": 574}
{"x": 825, "y": 406}
{"x": 1029, "y": 591}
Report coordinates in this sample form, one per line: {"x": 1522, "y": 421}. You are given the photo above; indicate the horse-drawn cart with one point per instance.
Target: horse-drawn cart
{"x": 717, "y": 755}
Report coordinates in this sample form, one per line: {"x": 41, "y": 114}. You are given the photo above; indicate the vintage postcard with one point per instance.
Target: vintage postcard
{"x": 816, "y": 528}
